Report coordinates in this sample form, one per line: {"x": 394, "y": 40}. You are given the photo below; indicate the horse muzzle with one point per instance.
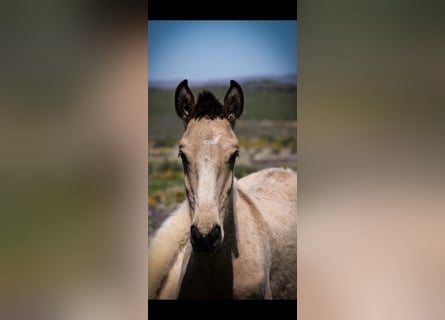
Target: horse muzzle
{"x": 209, "y": 243}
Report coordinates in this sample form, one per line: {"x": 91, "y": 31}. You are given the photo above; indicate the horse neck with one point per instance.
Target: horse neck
{"x": 230, "y": 226}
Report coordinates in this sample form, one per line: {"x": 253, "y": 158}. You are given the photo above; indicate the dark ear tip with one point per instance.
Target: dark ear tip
{"x": 234, "y": 83}
{"x": 181, "y": 85}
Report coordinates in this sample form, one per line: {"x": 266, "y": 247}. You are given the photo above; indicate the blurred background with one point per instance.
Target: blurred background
{"x": 73, "y": 136}
{"x": 260, "y": 55}
{"x": 73, "y": 121}
{"x": 371, "y": 178}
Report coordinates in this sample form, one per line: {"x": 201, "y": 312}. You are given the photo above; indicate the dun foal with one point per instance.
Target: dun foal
{"x": 229, "y": 239}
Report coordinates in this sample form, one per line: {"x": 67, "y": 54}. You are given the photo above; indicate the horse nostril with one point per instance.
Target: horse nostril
{"x": 195, "y": 236}
{"x": 214, "y": 235}
{"x": 205, "y": 243}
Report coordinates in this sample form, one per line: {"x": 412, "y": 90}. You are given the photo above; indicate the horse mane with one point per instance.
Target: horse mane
{"x": 208, "y": 107}
{"x": 165, "y": 246}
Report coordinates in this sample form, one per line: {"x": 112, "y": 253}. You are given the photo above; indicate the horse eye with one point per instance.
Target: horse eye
{"x": 182, "y": 156}
{"x": 233, "y": 156}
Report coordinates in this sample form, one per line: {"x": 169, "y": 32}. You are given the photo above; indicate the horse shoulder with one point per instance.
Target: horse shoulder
{"x": 274, "y": 192}
{"x": 172, "y": 283}
{"x": 165, "y": 247}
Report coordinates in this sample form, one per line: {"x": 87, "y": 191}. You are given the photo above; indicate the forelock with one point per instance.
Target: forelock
{"x": 208, "y": 107}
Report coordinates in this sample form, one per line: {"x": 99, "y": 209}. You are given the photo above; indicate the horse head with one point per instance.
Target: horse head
{"x": 208, "y": 150}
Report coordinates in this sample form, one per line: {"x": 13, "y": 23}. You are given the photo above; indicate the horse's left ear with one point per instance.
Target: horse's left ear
{"x": 234, "y": 102}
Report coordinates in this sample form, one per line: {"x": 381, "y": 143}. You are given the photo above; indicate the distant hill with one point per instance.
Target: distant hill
{"x": 284, "y": 82}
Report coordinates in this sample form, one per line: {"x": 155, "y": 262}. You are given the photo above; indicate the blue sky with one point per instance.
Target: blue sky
{"x": 213, "y": 50}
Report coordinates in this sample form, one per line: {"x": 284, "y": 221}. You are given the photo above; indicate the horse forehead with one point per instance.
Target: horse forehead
{"x": 213, "y": 140}
{"x": 209, "y": 132}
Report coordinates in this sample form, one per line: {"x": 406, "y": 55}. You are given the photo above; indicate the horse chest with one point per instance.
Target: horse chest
{"x": 222, "y": 278}
{"x": 207, "y": 278}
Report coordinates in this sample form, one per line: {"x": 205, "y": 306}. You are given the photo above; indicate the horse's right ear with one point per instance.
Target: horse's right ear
{"x": 184, "y": 101}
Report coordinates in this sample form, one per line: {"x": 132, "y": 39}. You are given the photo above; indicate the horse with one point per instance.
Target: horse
{"x": 229, "y": 239}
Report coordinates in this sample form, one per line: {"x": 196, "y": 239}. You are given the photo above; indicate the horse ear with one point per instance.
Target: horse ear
{"x": 234, "y": 102}
{"x": 184, "y": 101}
